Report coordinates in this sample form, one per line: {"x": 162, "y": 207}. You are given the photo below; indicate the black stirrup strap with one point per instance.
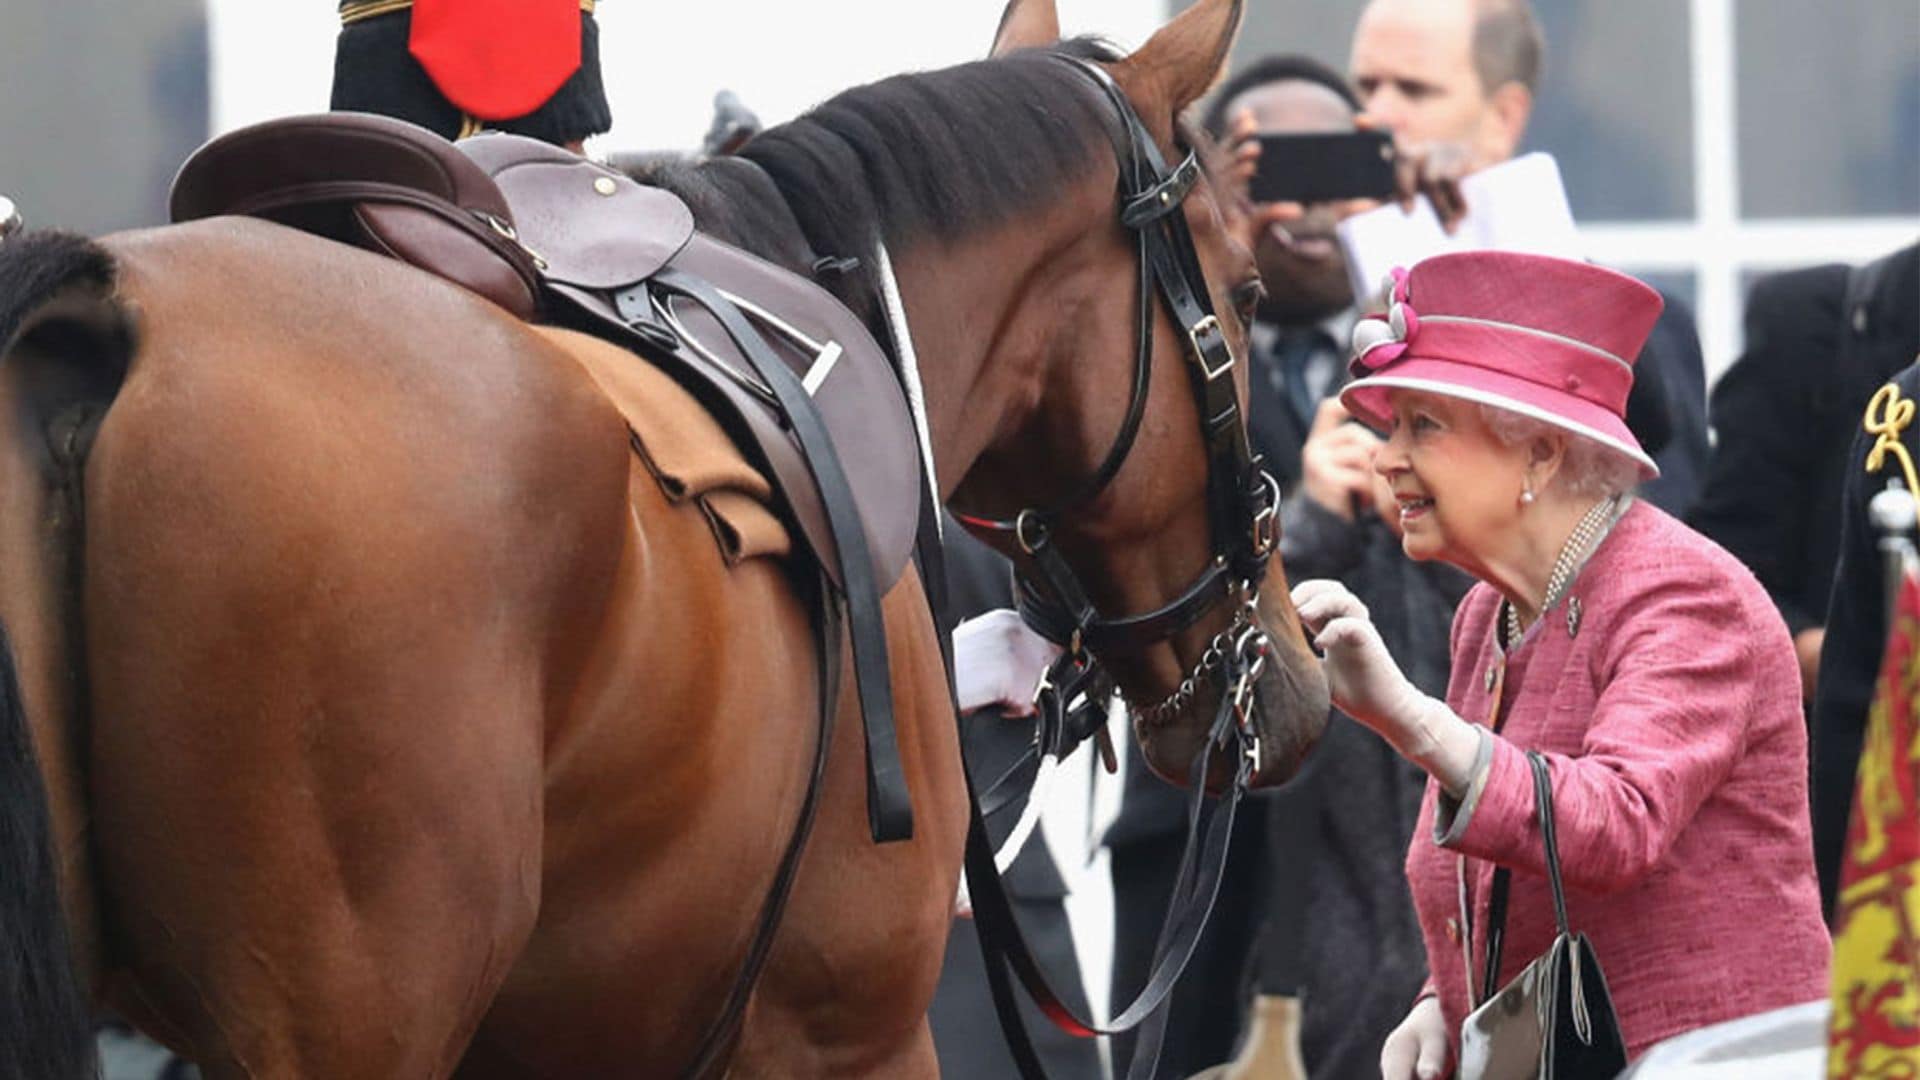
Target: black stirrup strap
{"x": 889, "y": 806}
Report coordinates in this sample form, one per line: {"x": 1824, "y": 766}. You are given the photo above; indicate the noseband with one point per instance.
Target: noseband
{"x": 1242, "y": 499}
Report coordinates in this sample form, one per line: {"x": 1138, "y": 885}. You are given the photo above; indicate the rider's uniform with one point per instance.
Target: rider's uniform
{"x": 531, "y": 67}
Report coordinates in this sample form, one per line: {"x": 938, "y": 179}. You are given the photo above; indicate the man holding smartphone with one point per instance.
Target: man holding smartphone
{"x": 1454, "y": 81}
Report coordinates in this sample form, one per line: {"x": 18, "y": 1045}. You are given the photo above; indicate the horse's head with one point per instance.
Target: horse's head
{"x": 1119, "y": 478}
{"x": 1065, "y": 273}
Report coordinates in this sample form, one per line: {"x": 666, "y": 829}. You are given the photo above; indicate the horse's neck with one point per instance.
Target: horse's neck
{"x": 953, "y": 308}
{"x": 975, "y": 390}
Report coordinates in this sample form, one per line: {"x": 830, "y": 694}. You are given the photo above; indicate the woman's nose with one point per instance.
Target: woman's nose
{"x": 1390, "y": 458}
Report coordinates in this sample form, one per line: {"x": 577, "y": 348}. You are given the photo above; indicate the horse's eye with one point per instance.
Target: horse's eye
{"x": 1247, "y": 298}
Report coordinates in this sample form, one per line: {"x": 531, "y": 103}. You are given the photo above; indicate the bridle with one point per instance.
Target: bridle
{"x": 1242, "y": 499}
{"x": 1242, "y": 506}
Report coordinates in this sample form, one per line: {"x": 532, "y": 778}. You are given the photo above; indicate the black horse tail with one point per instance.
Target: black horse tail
{"x": 64, "y": 344}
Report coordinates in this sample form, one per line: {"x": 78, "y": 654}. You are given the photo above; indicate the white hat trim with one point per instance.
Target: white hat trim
{"x": 1501, "y": 401}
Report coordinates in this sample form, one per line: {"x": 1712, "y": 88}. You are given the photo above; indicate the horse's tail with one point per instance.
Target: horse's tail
{"x": 65, "y": 343}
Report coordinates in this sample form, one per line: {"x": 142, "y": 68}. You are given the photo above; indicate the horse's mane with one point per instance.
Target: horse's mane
{"x": 937, "y": 154}
{"x": 926, "y": 155}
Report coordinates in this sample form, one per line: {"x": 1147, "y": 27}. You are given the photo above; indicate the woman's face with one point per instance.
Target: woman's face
{"x": 1456, "y": 485}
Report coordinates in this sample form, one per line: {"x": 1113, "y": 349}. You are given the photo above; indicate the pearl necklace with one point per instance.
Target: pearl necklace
{"x": 1573, "y": 555}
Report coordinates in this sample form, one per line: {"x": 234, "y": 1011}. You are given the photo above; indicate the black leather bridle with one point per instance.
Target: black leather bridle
{"x": 1241, "y": 497}
{"x": 1242, "y": 516}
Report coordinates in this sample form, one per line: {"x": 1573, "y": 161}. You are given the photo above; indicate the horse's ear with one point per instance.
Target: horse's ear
{"x": 1026, "y": 24}
{"x": 1182, "y": 61}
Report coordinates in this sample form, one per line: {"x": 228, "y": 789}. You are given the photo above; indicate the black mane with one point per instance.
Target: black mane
{"x": 937, "y": 154}
{"x": 930, "y": 155}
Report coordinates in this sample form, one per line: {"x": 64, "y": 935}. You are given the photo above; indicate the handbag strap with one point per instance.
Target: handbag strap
{"x": 1502, "y": 878}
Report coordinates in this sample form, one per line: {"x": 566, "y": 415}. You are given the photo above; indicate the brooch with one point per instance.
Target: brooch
{"x": 1573, "y": 616}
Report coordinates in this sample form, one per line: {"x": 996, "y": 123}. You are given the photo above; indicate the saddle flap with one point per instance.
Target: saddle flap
{"x": 852, "y": 383}
{"x": 593, "y": 227}
{"x": 421, "y": 238}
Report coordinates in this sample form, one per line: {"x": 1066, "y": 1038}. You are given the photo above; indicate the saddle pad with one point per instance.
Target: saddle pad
{"x": 684, "y": 448}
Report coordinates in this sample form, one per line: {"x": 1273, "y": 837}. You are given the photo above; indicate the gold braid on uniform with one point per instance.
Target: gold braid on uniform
{"x": 1888, "y": 415}
{"x": 353, "y": 11}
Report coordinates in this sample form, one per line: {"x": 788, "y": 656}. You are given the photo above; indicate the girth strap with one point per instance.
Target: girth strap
{"x": 889, "y": 807}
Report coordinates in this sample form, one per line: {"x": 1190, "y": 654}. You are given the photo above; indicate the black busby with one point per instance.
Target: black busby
{"x": 375, "y": 70}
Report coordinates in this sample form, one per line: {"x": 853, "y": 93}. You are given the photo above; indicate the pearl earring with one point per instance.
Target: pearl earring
{"x": 1526, "y": 494}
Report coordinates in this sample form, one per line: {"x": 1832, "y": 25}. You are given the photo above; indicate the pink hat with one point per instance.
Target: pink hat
{"x": 1551, "y": 339}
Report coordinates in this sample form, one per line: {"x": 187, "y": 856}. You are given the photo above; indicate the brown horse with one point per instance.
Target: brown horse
{"x": 393, "y": 723}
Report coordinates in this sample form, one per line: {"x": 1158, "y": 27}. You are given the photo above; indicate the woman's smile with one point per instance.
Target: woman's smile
{"x": 1413, "y": 507}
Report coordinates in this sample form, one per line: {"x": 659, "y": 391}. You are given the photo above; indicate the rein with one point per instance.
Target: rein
{"x": 1242, "y": 503}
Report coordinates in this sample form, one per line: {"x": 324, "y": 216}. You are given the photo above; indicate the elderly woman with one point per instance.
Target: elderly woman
{"x": 1643, "y": 662}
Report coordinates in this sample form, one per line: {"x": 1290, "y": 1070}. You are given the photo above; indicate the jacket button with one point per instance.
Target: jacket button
{"x": 1453, "y": 931}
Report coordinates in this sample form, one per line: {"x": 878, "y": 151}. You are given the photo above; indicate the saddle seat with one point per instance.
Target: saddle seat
{"x": 557, "y": 239}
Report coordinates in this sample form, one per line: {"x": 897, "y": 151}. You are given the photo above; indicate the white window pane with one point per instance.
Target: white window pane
{"x": 1829, "y": 104}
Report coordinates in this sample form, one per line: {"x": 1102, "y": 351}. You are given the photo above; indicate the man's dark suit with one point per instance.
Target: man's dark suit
{"x": 1851, "y": 655}
{"x": 966, "y": 1030}
{"x": 1785, "y": 414}
{"x": 1667, "y": 409}
{"x": 1877, "y": 333}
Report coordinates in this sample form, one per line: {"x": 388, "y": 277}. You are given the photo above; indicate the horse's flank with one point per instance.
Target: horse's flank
{"x": 424, "y": 721}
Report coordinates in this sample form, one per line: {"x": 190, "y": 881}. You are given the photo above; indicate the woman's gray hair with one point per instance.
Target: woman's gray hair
{"x": 1591, "y": 469}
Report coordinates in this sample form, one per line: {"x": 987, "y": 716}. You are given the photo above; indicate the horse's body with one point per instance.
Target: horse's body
{"x": 450, "y": 733}
{"x": 394, "y": 724}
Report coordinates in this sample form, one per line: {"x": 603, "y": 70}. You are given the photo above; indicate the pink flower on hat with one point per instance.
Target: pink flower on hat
{"x": 1379, "y": 340}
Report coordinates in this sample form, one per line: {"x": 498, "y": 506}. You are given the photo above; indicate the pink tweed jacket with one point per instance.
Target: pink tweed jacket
{"x": 1665, "y": 696}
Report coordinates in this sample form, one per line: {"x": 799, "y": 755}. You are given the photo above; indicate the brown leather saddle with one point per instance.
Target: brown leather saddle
{"x": 793, "y": 376}
{"x": 553, "y": 237}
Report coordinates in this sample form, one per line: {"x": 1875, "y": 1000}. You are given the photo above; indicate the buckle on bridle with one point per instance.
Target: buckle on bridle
{"x": 1265, "y": 529}
{"x": 1209, "y": 326}
{"x": 1020, "y": 531}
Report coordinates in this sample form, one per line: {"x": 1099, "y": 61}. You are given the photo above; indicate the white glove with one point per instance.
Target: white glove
{"x": 1417, "y": 1049}
{"x": 1362, "y": 678}
{"x": 998, "y": 661}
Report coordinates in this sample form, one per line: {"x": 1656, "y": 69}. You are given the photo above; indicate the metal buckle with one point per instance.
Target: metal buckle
{"x": 1265, "y": 530}
{"x": 506, "y": 231}
{"x": 1208, "y": 325}
{"x": 1020, "y": 531}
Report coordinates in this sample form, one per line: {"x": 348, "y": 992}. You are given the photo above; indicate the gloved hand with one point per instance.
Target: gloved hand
{"x": 998, "y": 661}
{"x": 1362, "y": 678}
{"x": 1417, "y": 1049}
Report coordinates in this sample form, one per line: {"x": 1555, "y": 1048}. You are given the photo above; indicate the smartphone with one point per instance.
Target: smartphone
{"x": 1316, "y": 168}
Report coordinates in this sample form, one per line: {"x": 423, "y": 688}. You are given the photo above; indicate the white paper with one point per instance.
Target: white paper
{"x": 1517, "y": 205}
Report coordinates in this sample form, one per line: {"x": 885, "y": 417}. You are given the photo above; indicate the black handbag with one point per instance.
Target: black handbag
{"x": 1554, "y": 1020}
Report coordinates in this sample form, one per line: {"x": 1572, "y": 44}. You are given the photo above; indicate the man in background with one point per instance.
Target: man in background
{"x": 1819, "y": 341}
{"x": 1454, "y": 80}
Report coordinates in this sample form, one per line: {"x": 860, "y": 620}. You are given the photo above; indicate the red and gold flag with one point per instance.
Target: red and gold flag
{"x": 1875, "y": 1025}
